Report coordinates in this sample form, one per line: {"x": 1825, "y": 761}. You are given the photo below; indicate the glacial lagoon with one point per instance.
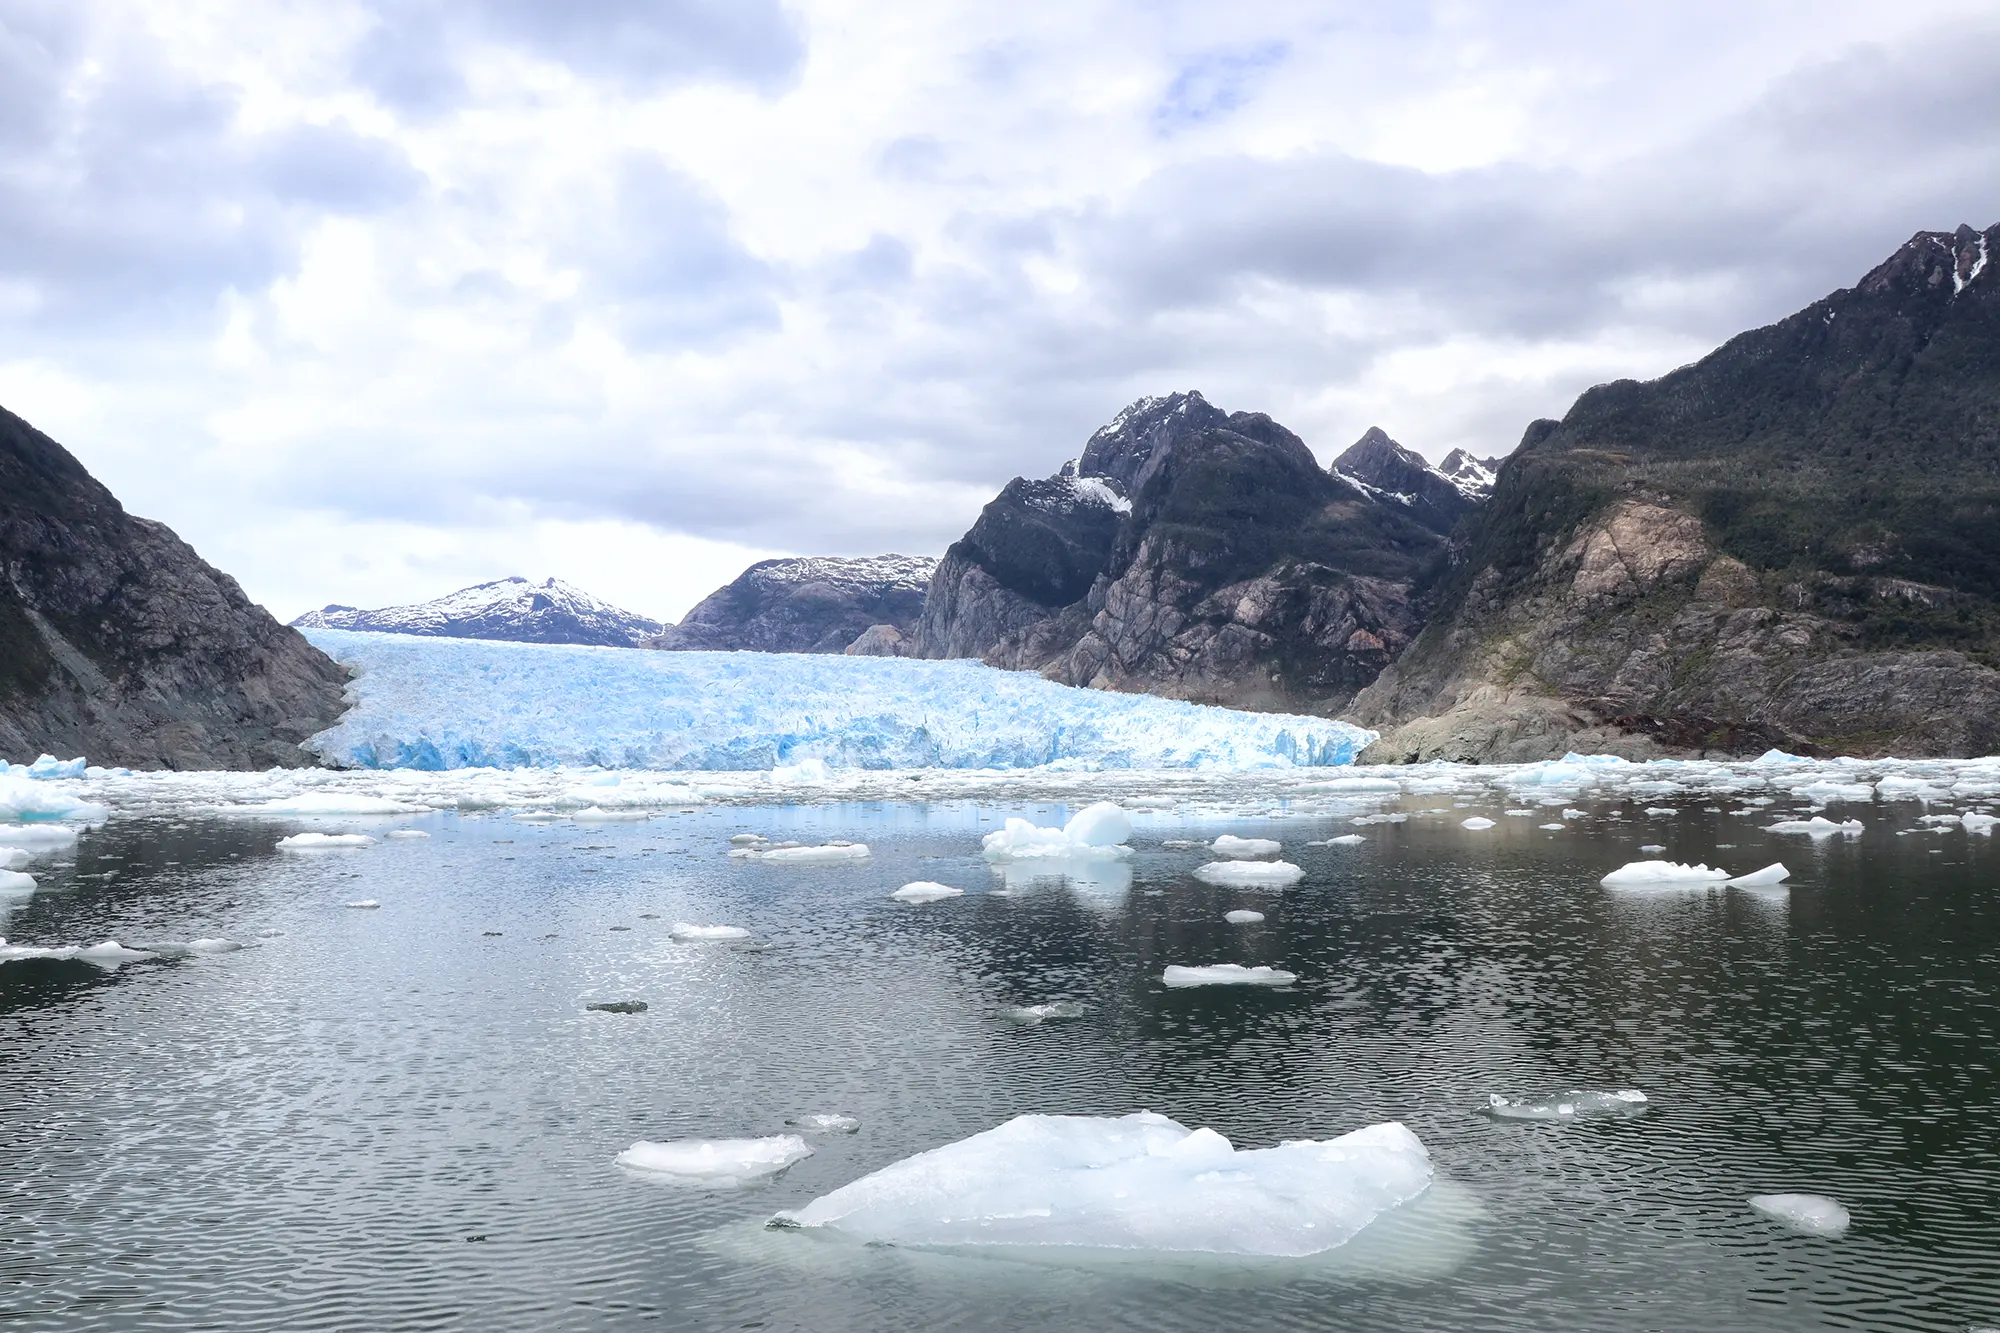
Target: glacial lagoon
{"x": 407, "y": 1116}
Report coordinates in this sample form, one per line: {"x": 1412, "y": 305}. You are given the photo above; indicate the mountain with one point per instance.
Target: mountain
{"x": 1795, "y": 541}
{"x": 816, "y": 604}
{"x": 509, "y": 609}
{"x": 1192, "y": 553}
{"x": 118, "y": 642}
{"x": 1435, "y": 498}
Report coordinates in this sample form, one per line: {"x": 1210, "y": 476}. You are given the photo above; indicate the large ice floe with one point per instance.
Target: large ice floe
{"x": 458, "y": 703}
{"x": 1130, "y": 1183}
{"x": 1670, "y": 874}
{"x": 1095, "y": 833}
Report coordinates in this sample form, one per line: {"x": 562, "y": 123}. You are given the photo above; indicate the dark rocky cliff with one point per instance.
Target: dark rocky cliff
{"x": 816, "y": 604}
{"x": 1191, "y": 553}
{"x": 119, "y": 643}
{"x": 1794, "y": 541}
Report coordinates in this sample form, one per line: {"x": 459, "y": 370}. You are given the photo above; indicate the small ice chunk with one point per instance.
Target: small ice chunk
{"x": 1250, "y": 872}
{"x": 926, "y": 891}
{"x": 1396, "y": 818}
{"x": 1775, "y": 873}
{"x": 406, "y": 833}
{"x": 1976, "y": 822}
{"x": 14, "y": 884}
{"x": 1242, "y": 916}
{"x": 832, "y": 853}
{"x": 1231, "y": 845}
{"x": 1555, "y": 827}
{"x": 213, "y": 944}
{"x": 597, "y": 814}
{"x": 1652, "y": 848}
{"x": 1130, "y": 1183}
{"x": 537, "y": 816}
{"x": 1814, "y": 1214}
{"x": 42, "y": 836}
{"x": 715, "y": 1161}
{"x": 1476, "y": 822}
{"x": 1642, "y": 873}
{"x": 1345, "y": 840}
{"x": 1577, "y": 1104}
{"x": 112, "y": 954}
{"x": 324, "y": 842}
{"x": 326, "y": 804}
{"x": 828, "y": 1122}
{"x": 365, "y": 904}
{"x": 747, "y": 839}
{"x": 1095, "y": 833}
{"x": 1661, "y": 810}
{"x": 13, "y": 858}
{"x": 691, "y": 934}
{"x": 1227, "y": 974}
{"x": 1819, "y": 826}
{"x": 1031, "y": 1014}
{"x": 1521, "y": 813}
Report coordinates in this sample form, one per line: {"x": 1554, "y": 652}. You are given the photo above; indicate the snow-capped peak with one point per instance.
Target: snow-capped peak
{"x": 1474, "y": 477}
{"x": 513, "y": 608}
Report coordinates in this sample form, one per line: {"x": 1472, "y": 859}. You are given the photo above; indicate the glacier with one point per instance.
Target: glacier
{"x": 436, "y": 703}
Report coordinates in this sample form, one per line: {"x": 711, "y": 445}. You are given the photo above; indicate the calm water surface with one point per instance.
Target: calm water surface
{"x": 405, "y": 1118}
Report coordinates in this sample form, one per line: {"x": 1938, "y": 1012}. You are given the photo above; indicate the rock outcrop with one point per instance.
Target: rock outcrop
{"x": 816, "y": 604}
{"x": 1793, "y": 542}
{"x": 120, "y": 643}
{"x": 1191, "y": 553}
{"x": 512, "y": 610}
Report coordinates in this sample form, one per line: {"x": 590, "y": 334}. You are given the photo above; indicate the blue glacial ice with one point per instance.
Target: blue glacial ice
{"x": 432, "y": 703}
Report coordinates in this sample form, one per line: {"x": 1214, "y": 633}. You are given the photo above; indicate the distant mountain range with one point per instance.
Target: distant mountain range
{"x": 510, "y": 609}
{"x": 815, "y": 604}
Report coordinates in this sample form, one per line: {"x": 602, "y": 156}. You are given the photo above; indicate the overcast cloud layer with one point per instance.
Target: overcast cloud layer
{"x": 374, "y": 300}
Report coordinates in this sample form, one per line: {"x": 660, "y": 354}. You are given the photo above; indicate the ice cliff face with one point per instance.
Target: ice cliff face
{"x": 1191, "y": 553}
{"x": 118, "y": 641}
{"x": 1794, "y": 542}
{"x": 863, "y": 607}
{"x": 512, "y": 609}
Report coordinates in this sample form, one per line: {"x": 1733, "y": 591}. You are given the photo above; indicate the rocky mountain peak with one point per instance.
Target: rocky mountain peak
{"x": 1936, "y": 263}
{"x": 1388, "y": 471}
{"x": 1473, "y": 475}
{"x": 511, "y": 609}
{"x": 810, "y": 604}
{"x": 1132, "y": 446}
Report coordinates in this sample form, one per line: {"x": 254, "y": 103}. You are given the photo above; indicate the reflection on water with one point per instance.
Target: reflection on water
{"x": 406, "y": 1118}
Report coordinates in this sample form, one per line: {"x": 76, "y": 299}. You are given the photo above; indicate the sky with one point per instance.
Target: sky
{"x": 373, "y": 299}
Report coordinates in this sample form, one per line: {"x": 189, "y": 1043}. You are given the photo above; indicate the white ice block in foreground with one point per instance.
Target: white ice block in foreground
{"x": 1640, "y": 874}
{"x": 1775, "y": 873}
{"x": 1135, "y": 1183}
{"x": 14, "y": 884}
{"x": 689, "y": 934}
{"x": 437, "y": 703}
{"x": 1476, "y": 823}
{"x": 715, "y": 1161}
{"x": 1814, "y": 1214}
{"x": 1251, "y": 873}
{"x": 31, "y": 800}
{"x": 926, "y": 891}
{"x": 1095, "y": 833}
{"x": 1242, "y": 916}
{"x": 1226, "y": 974}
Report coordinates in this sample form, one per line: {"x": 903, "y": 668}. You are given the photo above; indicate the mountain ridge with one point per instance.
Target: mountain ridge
{"x": 512, "y": 610}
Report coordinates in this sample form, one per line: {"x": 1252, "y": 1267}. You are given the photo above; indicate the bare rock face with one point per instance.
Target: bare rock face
{"x": 1190, "y": 553}
{"x": 819, "y": 604}
{"x": 1436, "y": 498}
{"x": 1794, "y": 542}
{"x": 118, "y": 642}
{"x": 879, "y": 641}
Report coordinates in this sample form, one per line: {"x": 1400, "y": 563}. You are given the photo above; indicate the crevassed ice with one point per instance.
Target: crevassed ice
{"x": 437, "y": 703}
{"x": 1136, "y": 1182}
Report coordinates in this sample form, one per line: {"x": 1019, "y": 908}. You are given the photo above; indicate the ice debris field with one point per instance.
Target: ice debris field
{"x": 438, "y": 703}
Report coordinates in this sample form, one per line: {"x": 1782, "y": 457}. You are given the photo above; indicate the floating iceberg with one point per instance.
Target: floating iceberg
{"x": 1095, "y": 833}
{"x": 1819, "y": 826}
{"x": 1031, "y": 1014}
{"x": 715, "y": 1161}
{"x": 1231, "y": 845}
{"x": 31, "y": 801}
{"x": 832, "y": 853}
{"x": 597, "y": 814}
{"x": 1226, "y": 974}
{"x": 1251, "y": 873}
{"x": 1976, "y": 822}
{"x": 407, "y": 833}
{"x": 1573, "y": 1105}
{"x": 437, "y": 703}
{"x": 1775, "y": 873}
{"x": 1814, "y": 1214}
{"x": 828, "y": 1122}
{"x": 14, "y": 884}
{"x": 926, "y": 891}
{"x": 1344, "y": 840}
{"x": 690, "y": 934}
{"x": 1134, "y": 1183}
{"x": 110, "y": 955}
{"x": 1476, "y": 822}
{"x": 324, "y": 842}
{"x": 1242, "y": 916}
{"x": 48, "y": 768}
{"x": 363, "y": 904}
{"x": 1640, "y": 874}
